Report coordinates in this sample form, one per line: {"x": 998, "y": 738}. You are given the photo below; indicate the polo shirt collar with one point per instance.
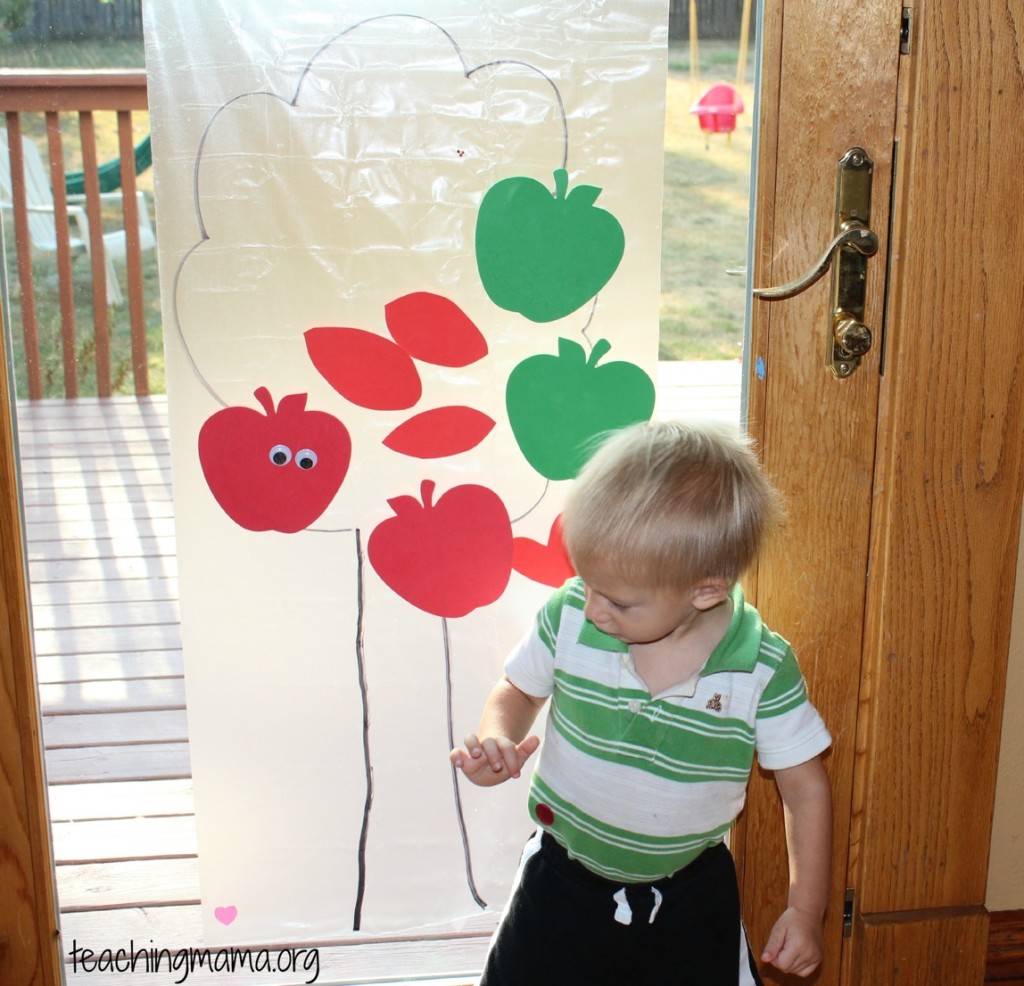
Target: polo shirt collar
{"x": 736, "y": 651}
{"x": 590, "y": 636}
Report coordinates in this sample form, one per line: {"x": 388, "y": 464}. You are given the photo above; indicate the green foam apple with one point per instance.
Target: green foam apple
{"x": 558, "y": 404}
{"x": 545, "y": 255}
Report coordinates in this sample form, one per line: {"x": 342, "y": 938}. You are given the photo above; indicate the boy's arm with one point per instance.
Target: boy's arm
{"x": 795, "y": 944}
{"x": 501, "y": 746}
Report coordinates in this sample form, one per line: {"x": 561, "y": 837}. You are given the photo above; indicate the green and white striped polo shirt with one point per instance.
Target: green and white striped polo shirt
{"x": 636, "y": 786}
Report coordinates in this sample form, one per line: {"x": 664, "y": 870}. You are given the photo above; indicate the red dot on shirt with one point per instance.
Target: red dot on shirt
{"x": 544, "y": 815}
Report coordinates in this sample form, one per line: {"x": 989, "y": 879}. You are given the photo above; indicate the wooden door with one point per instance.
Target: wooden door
{"x": 895, "y": 576}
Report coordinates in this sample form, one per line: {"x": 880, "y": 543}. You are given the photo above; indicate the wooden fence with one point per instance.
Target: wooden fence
{"x": 78, "y": 20}
{"x": 59, "y": 20}
{"x": 716, "y": 19}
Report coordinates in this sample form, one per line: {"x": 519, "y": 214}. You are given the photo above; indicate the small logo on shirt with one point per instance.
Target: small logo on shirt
{"x": 715, "y": 702}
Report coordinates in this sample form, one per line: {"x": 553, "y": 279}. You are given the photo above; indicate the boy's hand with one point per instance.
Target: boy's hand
{"x": 493, "y": 760}
{"x": 795, "y": 944}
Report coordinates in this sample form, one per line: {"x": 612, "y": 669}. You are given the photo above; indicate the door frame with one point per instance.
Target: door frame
{"x": 29, "y": 935}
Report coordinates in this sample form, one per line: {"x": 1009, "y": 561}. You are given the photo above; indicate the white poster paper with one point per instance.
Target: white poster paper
{"x": 410, "y": 265}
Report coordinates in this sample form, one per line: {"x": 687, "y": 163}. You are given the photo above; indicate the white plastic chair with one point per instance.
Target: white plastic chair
{"x": 42, "y": 231}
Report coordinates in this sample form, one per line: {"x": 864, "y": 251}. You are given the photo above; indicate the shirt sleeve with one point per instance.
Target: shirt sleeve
{"x": 531, "y": 664}
{"x": 789, "y": 730}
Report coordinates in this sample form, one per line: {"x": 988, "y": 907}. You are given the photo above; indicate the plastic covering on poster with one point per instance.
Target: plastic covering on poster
{"x": 410, "y": 269}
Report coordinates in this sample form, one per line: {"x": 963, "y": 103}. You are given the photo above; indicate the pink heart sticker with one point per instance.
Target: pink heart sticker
{"x": 225, "y": 914}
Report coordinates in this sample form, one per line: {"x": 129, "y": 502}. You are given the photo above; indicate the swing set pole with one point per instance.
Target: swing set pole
{"x": 694, "y": 52}
{"x": 741, "y": 65}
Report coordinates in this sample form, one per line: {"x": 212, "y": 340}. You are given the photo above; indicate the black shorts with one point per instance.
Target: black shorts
{"x": 567, "y": 926}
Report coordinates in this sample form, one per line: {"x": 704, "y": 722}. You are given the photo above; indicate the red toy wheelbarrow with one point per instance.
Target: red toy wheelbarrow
{"x": 717, "y": 109}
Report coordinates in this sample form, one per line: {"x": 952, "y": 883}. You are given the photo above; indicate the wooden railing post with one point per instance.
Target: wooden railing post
{"x": 101, "y": 321}
{"x": 23, "y": 247}
{"x": 63, "y": 237}
{"x": 52, "y": 93}
{"x": 136, "y": 308}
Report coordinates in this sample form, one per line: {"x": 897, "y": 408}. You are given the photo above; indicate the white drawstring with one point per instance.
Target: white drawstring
{"x": 657, "y": 904}
{"x": 623, "y": 912}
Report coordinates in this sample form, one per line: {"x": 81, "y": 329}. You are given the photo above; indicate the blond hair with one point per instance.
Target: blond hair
{"x": 669, "y": 504}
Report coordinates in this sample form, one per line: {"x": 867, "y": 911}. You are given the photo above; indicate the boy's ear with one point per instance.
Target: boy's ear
{"x": 710, "y": 593}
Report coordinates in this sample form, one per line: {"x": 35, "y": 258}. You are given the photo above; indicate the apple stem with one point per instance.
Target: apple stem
{"x": 561, "y": 183}
{"x": 601, "y": 347}
{"x": 263, "y": 396}
{"x": 427, "y": 492}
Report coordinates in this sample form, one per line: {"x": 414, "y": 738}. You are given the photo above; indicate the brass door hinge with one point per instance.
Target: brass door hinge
{"x": 848, "y": 912}
{"x": 905, "y": 24}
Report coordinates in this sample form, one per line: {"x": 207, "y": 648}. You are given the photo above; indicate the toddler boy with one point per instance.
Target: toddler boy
{"x": 663, "y": 683}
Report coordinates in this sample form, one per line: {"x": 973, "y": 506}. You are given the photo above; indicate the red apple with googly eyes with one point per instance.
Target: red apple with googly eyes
{"x": 275, "y": 470}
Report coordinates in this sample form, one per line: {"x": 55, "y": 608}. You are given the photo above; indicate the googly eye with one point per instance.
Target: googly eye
{"x": 280, "y": 455}
{"x": 306, "y": 458}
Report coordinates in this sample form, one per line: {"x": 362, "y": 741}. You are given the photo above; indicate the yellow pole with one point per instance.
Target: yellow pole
{"x": 741, "y": 65}
{"x": 694, "y": 53}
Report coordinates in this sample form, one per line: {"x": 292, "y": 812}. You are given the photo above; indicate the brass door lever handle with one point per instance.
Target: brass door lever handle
{"x": 848, "y": 338}
{"x": 854, "y": 235}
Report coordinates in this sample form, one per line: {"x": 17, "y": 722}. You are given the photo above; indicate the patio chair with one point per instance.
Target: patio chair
{"x": 42, "y": 230}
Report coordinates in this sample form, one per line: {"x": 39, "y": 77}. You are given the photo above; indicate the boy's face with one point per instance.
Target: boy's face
{"x": 640, "y": 615}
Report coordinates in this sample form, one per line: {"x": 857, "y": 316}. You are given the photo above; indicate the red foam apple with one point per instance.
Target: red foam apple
{"x": 449, "y": 557}
{"x": 277, "y": 470}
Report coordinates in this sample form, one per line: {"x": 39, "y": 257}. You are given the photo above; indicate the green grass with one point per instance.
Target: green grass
{"x": 704, "y": 215}
{"x": 49, "y": 328}
{"x": 48, "y": 316}
{"x": 704, "y": 222}
{"x": 93, "y": 54}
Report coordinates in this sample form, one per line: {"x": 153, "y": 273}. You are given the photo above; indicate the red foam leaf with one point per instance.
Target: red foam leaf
{"x": 365, "y": 368}
{"x": 548, "y": 563}
{"x": 434, "y": 329}
{"x": 439, "y": 432}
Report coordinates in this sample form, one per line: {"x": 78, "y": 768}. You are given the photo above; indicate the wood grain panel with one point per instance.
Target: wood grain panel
{"x": 1005, "y": 960}
{"x": 123, "y": 799}
{"x": 923, "y": 949}
{"x": 950, "y": 472}
{"x": 138, "y": 762}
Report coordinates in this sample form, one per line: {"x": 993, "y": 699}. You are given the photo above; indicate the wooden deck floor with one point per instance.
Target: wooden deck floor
{"x": 100, "y": 530}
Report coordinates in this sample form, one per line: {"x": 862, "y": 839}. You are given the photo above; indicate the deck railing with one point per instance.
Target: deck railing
{"x": 56, "y": 97}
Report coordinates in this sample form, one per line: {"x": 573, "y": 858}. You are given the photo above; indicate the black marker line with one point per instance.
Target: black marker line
{"x": 293, "y": 102}
{"x": 590, "y": 318}
{"x": 540, "y": 499}
{"x": 455, "y": 773}
{"x": 357, "y": 914}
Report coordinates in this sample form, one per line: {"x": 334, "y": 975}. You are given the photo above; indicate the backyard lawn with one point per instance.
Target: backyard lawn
{"x": 704, "y": 223}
